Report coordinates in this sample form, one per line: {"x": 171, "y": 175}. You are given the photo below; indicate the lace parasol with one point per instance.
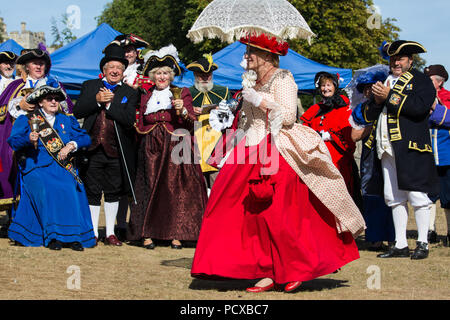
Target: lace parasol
{"x": 232, "y": 19}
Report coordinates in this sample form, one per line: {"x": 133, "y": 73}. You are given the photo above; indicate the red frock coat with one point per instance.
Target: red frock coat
{"x": 341, "y": 146}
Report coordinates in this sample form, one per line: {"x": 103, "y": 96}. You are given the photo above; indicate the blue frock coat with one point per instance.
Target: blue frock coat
{"x": 53, "y": 205}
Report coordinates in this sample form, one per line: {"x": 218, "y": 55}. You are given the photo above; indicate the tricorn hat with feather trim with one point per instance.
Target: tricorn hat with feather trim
{"x": 42, "y": 91}
{"x": 31, "y": 54}
{"x": 166, "y": 56}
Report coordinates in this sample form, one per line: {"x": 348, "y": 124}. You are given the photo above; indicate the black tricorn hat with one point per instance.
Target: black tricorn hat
{"x": 130, "y": 39}
{"x": 31, "y": 54}
{"x": 113, "y": 52}
{"x": 436, "y": 70}
{"x": 204, "y": 65}
{"x": 404, "y": 47}
{"x": 42, "y": 91}
{"x": 8, "y": 56}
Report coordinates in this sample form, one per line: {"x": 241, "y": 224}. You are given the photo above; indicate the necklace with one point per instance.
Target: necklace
{"x": 259, "y": 82}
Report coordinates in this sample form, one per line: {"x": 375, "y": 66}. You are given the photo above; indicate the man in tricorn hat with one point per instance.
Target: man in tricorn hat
{"x": 400, "y": 135}
{"x": 440, "y": 135}
{"x": 108, "y": 108}
{"x": 36, "y": 65}
{"x": 205, "y": 92}
{"x": 7, "y": 66}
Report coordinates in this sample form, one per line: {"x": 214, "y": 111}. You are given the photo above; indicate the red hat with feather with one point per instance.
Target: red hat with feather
{"x": 263, "y": 42}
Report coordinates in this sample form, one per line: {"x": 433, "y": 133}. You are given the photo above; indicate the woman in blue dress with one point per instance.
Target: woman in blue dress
{"x": 53, "y": 210}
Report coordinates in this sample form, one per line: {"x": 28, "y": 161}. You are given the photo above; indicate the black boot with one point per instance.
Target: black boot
{"x": 421, "y": 251}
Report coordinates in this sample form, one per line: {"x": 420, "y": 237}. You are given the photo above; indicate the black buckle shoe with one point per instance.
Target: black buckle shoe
{"x": 55, "y": 245}
{"x": 395, "y": 253}
{"x": 76, "y": 246}
{"x": 421, "y": 251}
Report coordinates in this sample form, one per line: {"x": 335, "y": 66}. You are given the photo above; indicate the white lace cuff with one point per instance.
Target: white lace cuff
{"x": 220, "y": 120}
{"x": 14, "y": 108}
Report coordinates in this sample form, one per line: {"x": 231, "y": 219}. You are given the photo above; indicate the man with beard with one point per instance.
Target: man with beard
{"x": 7, "y": 66}
{"x": 399, "y": 112}
{"x": 204, "y": 92}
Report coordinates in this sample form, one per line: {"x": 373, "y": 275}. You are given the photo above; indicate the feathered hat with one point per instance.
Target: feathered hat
{"x": 43, "y": 91}
{"x": 166, "y": 56}
{"x": 266, "y": 43}
{"x": 30, "y": 54}
{"x": 204, "y": 65}
{"x": 130, "y": 39}
{"x": 371, "y": 77}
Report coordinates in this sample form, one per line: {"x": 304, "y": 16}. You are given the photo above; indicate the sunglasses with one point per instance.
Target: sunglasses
{"x": 52, "y": 97}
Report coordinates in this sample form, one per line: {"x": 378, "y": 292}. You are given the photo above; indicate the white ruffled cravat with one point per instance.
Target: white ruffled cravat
{"x": 49, "y": 117}
{"x": 160, "y": 100}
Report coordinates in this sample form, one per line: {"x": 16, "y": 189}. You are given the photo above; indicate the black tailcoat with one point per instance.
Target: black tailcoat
{"x": 408, "y": 108}
{"x": 122, "y": 110}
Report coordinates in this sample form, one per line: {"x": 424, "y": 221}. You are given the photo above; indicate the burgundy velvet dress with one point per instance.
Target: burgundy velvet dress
{"x": 171, "y": 196}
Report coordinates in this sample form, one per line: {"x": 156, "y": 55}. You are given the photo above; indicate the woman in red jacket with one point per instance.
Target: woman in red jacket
{"x": 330, "y": 119}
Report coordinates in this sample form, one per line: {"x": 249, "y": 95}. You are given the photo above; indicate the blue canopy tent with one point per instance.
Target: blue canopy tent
{"x": 79, "y": 60}
{"x": 229, "y": 71}
{"x": 11, "y": 45}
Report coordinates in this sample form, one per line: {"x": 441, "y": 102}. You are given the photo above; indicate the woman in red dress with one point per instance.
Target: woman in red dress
{"x": 305, "y": 229}
{"x": 330, "y": 119}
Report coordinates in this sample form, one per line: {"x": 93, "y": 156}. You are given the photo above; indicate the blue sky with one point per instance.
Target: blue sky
{"x": 422, "y": 21}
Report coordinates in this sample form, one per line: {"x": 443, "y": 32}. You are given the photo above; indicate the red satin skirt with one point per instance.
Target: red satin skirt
{"x": 293, "y": 238}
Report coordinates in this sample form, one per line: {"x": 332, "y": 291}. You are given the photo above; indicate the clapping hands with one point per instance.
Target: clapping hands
{"x": 380, "y": 92}
{"x": 104, "y": 96}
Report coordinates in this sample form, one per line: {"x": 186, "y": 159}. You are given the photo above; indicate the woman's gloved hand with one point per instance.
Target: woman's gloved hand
{"x": 250, "y": 95}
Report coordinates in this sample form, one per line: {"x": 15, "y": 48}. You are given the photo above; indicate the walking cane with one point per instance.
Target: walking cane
{"x": 125, "y": 162}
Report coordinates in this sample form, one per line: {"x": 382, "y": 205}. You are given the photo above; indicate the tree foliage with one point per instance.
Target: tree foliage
{"x": 64, "y": 36}
{"x": 343, "y": 36}
{"x": 160, "y": 23}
